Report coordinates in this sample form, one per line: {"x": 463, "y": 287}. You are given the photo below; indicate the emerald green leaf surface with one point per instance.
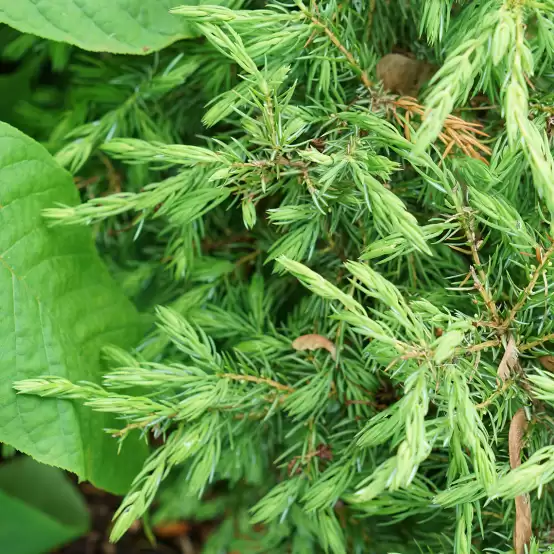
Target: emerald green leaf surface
{"x": 39, "y": 508}
{"x": 58, "y": 307}
{"x": 118, "y": 26}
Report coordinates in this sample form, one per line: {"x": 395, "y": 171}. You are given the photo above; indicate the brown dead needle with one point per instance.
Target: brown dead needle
{"x": 523, "y": 525}
{"x": 547, "y": 362}
{"x": 315, "y": 342}
{"x": 509, "y": 362}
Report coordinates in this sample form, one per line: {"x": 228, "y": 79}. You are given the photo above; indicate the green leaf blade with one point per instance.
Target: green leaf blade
{"x": 59, "y": 306}
{"x": 39, "y": 508}
{"x": 117, "y": 26}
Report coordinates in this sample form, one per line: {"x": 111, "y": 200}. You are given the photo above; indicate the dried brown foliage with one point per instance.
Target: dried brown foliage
{"x": 523, "y": 525}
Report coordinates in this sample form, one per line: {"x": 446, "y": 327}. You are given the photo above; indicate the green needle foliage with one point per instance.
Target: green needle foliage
{"x": 352, "y": 290}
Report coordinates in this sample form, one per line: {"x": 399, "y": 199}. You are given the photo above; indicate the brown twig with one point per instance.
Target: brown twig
{"x": 281, "y": 160}
{"x": 347, "y": 54}
{"x": 84, "y": 183}
{"x": 360, "y": 403}
{"x": 208, "y": 245}
{"x": 482, "y": 346}
{"x": 130, "y": 427}
{"x": 529, "y": 288}
{"x": 535, "y": 343}
{"x": 258, "y": 380}
{"x": 140, "y": 424}
{"x": 491, "y": 306}
{"x": 412, "y": 354}
{"x": 543, "y": 108}
{"x": 322, "y": 451}
{"x": 248, "y": 258}
{"x": 114, "y": 179}
{"x": 477, "y": 272}
{"x": 507, "y": 384}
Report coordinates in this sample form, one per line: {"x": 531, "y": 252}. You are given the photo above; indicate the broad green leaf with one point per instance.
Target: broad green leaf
{"x": 118, "y": 26}
{"x": 39, "y": 508}
{"x": 58, "y": 307}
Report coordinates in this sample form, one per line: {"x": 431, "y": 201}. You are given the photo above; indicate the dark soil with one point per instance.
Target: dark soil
{"x": 176, "y": 538}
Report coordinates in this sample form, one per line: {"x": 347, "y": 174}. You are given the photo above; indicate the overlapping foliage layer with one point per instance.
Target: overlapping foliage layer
{"x": 354, "y": 288}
